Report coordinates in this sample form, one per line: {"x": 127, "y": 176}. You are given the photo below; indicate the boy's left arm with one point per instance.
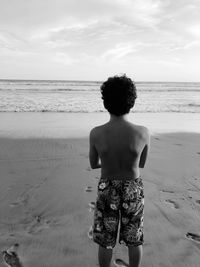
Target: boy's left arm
{"x": 93, "y": 154}
{"x": 145, "y": 151}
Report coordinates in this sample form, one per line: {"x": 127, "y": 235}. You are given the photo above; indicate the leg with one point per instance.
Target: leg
{"x": 105, "y": 256}
{"x": 106, "y": 220}
{"x": 135, "y": 255}
{"x": 132, "y": 214}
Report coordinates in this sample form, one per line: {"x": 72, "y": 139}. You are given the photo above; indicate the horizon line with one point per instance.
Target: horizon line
{"x": 97, "y": 81}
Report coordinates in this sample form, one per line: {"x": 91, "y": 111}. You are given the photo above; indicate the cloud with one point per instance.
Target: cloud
{"x": 63, "y": 58}
{"x": 119, "y": 51}
{"x": 195, "y": 30}
{"x": 184, "y": 46}
{"x": 10, "y": 41}
{"x": 35, "y": 13}
{"x": 142, "y": 13}
{"x": 91, "y": 33}
{"x": 93, "y": 37}
{"x": 13, "y": 46}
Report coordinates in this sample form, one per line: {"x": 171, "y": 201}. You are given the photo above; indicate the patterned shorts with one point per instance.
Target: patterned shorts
{"x": 119, "y": 202}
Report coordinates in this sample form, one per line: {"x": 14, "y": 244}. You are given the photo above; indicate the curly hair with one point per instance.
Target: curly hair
{"x": 118, "y": 94}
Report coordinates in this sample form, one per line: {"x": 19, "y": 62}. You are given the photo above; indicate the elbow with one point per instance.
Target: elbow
{"x": 141, "y": 164}
{"x": 93, "y": 167}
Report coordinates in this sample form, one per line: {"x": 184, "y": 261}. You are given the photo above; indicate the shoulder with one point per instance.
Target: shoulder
{"x": 96, "y": 131}
{"x": 139, "y": 128}
{"x": 93, "y": 132}
{"x": 142, "y": 131}
{"x": 145, "y": 133}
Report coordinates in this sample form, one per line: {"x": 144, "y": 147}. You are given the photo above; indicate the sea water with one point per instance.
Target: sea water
{"x": 85, "y": 96}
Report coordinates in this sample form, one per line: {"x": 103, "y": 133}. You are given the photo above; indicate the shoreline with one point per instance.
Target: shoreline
{"x": 79, "y": 124}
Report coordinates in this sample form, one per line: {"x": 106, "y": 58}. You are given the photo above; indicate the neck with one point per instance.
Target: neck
{"x": 114, "y": 118}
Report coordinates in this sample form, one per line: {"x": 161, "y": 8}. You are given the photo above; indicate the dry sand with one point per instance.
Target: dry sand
{"x": 45, "y": 171}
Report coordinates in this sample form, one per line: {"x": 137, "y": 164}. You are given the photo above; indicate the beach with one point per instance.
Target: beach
{"x": 45, "y": 172}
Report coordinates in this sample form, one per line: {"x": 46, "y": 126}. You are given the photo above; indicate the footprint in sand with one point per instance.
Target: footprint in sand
{"x": 20, "y": 201}
{"x": 88, "y": 189}
{"x": 167, "y": 191}
{"x": 88, "y": 169}
{"x": 193, "y": 236}
{"x": 198, "y": 153}
{"x": 198, "y": 201}
{"x": 34, "y": 229}
{"x": 39, "y": 224}
{"x": 92, "y": 206}
{"x": 14, "y": 204}
{"x": 170, "y": 201}
{"x": 174, "y": 204}
{"x": 191, "y": 189}
{"x": 10, "y": 257}
{"x": 120, "y": 263}
{"x": 90, "y": 233}
{"x": 177, "y": 144}
{"x": 156, "y": 138}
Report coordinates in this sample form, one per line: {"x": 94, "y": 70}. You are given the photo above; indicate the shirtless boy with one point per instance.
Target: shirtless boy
{"x": 120, "y": 149}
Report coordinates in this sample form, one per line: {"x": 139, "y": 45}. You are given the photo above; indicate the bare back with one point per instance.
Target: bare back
{"x": 120, "y": 145}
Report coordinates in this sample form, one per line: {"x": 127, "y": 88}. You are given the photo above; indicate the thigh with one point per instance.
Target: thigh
{"x": 106, "y": 214}
{"x": 132, "y": 213}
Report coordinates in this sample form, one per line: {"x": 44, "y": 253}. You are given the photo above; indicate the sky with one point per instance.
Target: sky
{"x": 149, "y": 40}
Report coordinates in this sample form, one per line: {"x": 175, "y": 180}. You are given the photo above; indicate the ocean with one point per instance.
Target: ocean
{"x": 85, "y": 96}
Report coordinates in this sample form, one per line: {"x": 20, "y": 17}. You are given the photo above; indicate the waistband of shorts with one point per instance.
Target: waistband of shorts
{"x": 136, "y": 180}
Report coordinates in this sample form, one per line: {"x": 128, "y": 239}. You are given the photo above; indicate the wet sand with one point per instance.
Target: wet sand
{"x": 48, "y": 189}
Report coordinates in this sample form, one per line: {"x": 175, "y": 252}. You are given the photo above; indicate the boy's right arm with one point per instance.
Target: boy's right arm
{"x": 93, "y": 154}
{"x": 146, "y": 148}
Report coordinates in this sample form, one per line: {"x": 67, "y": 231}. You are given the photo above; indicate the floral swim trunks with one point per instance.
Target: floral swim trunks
{"x": 119, "y": 202}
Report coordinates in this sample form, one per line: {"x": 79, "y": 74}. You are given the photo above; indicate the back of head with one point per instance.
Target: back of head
{"x": 118, "y": 94}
